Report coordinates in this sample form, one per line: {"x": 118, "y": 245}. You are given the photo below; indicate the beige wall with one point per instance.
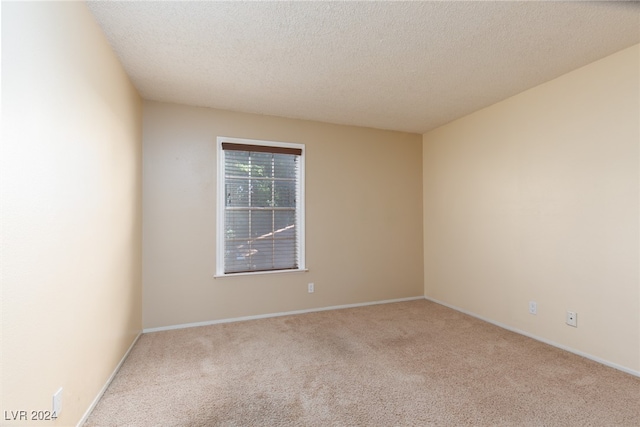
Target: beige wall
{"x": 536, "y": 198}
{"x": 71, "y": 209}
{"x": 363, "y": 217}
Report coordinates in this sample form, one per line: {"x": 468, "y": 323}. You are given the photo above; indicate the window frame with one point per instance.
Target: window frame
{"x": 221, "y": 204}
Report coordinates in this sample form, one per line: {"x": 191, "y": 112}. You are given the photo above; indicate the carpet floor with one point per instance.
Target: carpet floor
{"x": 413, "y": 363}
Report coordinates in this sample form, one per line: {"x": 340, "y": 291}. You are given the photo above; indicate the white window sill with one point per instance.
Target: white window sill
{"x": 256, "y": 273}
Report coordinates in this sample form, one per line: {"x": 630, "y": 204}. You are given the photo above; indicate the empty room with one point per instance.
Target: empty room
{"x": 320, "y": 213}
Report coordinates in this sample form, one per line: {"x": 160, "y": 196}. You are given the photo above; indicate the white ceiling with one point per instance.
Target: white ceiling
{"x": 409, "y": 66}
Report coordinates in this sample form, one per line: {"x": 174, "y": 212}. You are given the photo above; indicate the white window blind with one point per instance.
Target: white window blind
{"x": 262, "y": 207}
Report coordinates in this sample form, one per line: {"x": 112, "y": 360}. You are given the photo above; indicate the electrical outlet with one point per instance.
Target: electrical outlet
{"x": 311, "y": 288}
{"x": 57, "y": 402}
{"x": 572, "y": 319}
{"x": 533, "y": 307}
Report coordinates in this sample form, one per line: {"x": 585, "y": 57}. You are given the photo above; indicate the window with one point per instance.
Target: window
{"x": 260, "y": 206}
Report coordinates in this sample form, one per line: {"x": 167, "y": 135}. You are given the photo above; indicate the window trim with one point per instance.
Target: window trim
{"x": 220, "y": 204}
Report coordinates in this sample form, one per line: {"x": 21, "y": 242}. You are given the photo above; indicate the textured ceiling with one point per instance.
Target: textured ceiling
{"x": 409, "y": 66}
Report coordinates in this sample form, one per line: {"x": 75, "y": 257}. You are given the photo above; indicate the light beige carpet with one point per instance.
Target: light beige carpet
{"x": 411, "y": 363}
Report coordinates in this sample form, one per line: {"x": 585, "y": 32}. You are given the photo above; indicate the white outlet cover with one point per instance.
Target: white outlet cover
{"x": 533, "y": 307}
{"x": 57, "y": 402}
{"x": 572, "y": 319}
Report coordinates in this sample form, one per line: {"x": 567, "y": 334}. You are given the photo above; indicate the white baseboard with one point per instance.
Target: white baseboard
{"x": 286, "y": 313}
{"x": 106, "y": 385}
{"x": 537, "y": 338}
